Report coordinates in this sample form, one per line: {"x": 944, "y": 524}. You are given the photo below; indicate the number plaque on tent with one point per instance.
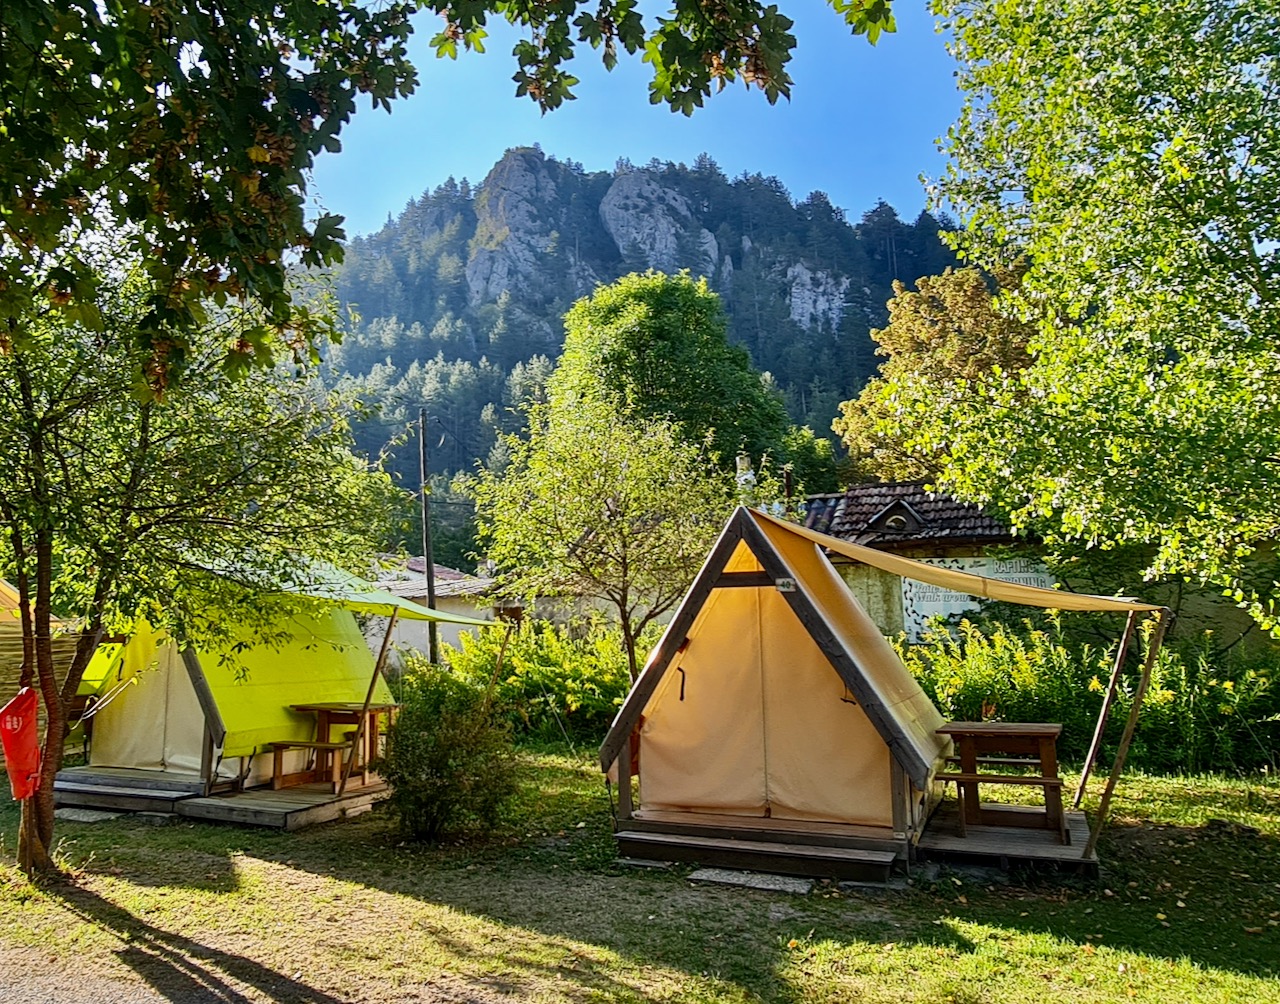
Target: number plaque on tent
{"x": 785, "y": 585}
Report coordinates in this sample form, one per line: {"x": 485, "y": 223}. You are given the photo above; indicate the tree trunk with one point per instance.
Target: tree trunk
{"x": 629, "y": 642}
{"x": 35, "y": 835}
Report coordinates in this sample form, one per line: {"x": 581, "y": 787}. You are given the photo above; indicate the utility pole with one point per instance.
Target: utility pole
{"x": 428, "y": 560}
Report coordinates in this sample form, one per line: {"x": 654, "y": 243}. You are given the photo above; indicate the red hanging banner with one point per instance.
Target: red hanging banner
{"x": 19, "y": 720}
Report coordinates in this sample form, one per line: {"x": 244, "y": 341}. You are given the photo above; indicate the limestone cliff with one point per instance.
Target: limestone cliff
{"x": 471, "y": 283}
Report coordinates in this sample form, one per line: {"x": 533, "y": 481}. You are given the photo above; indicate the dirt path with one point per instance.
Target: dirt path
{"x": 30, "y": 977}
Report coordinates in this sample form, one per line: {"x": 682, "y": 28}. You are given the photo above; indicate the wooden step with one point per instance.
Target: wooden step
{"x": 1027, "y": 779}
{"x": 767, "y": 829}
{"x": 129, "y": 777}
{"x": 102, "y": 796}
{"x": 760, "y": 855}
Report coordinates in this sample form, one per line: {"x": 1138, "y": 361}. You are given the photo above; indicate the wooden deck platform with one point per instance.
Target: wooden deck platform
{"x": 796, "y": 831}
{"x": 1003, "y": 845}
{"x": 285, "y": 809}
{"x": 119, "y": 789}
{"x": 132, "y": 777}
{"x": 795, "y": 847}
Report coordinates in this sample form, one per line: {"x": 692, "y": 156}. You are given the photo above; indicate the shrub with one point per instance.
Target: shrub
{"x": 449, "y": 759}
{"x": 551, "y": 678}
{"x": 1204, "y": 710}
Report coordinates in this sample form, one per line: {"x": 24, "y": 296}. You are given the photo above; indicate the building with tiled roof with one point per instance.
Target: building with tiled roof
{"x": 905, "y": 518}
{"x": 902, "y": 514}
{"x": 456, "y": 592}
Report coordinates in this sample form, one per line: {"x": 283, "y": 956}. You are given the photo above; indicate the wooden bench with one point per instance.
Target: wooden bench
{"x": 1034, "y": 745}
{"x": 327, "y": 762}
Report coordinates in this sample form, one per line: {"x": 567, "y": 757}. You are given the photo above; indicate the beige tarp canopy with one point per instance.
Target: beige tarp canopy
{"x": 965, "y": 582}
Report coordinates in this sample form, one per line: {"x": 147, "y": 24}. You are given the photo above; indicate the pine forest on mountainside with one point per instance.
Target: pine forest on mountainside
{"x": 457, "y": 304}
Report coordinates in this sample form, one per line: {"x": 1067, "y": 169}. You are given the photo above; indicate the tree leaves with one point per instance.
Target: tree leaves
{"x": 1130, "y": 156}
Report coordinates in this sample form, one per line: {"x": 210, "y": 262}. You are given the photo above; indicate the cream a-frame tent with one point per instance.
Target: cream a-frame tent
{"x": 774, "y": 710}
{"x": 11, "y": 651}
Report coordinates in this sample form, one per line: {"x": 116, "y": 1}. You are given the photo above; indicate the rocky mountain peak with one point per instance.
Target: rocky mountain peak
{"x": 646, "y": 217}
{"x": 514, "y": 225}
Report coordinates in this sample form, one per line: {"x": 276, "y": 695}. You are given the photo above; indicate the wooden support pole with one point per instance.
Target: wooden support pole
{"x": 625, "y": 808}
{"x": 215, "y": 730}
{"x": 368, "y": 699}
{"x": 1107, "y": 701}
{"x": 1157, "y": 639}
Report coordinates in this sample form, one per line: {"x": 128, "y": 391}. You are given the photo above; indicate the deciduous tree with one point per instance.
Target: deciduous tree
{"x": 944, "y": 341}
{"x": 1130, "y": 154}
{"x": 116, "y": 504}
{"x": 618, "y": 511}
{"x": 654, "y": 346}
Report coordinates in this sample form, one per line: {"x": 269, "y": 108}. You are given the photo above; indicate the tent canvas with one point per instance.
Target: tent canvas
{"x": 151, "y": 716}
{"x": 11, "y": 651}
{"x": 773, "y": 696}
{"x": 209, "y": 713}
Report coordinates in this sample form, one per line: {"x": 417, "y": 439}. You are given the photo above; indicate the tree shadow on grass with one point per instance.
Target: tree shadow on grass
{"x": 519, "y": 912}
{"x": 181, "y": 969}
{"x": 1227, "y": 876}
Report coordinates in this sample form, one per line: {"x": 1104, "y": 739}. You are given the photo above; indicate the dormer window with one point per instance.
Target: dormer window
{"x": 898, "y": 518}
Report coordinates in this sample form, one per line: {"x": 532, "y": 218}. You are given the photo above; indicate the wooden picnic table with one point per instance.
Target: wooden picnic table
{"x": 331, "y": 713}
{"x": 1029, "y": 745}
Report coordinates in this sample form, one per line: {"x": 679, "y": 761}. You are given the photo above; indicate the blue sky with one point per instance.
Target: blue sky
{"x": 861, "y": 124}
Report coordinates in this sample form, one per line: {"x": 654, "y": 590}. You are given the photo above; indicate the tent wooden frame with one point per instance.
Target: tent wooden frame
{"x": 911, "y": 771}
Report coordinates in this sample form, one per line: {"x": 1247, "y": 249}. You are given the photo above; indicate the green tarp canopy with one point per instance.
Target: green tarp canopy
{"x": 353, "y": 593}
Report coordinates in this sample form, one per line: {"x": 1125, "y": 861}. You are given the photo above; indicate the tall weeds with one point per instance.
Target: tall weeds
{"x": 1204, "y": 711}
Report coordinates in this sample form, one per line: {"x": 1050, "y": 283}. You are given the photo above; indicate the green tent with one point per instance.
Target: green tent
{"x": 211, "y": 713}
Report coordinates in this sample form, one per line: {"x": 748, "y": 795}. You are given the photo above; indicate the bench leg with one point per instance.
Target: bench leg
{"x": 277, "y": 769}
{"x": 970, "y": 804}
{"x": 336, "y": 757}
{"x": 1057, "y": 819}
{"x": 1053, "y": 796}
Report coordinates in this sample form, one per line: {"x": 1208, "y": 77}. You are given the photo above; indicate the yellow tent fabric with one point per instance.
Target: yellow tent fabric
{"x": 962, "y": 582}
{"x": 152, "y": 719}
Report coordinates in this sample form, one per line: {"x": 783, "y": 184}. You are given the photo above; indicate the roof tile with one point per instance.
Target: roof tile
{"x": 865, "y": 514}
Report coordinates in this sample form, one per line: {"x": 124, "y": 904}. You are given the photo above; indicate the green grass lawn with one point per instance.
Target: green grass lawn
{"x": 1188, "y": 909}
